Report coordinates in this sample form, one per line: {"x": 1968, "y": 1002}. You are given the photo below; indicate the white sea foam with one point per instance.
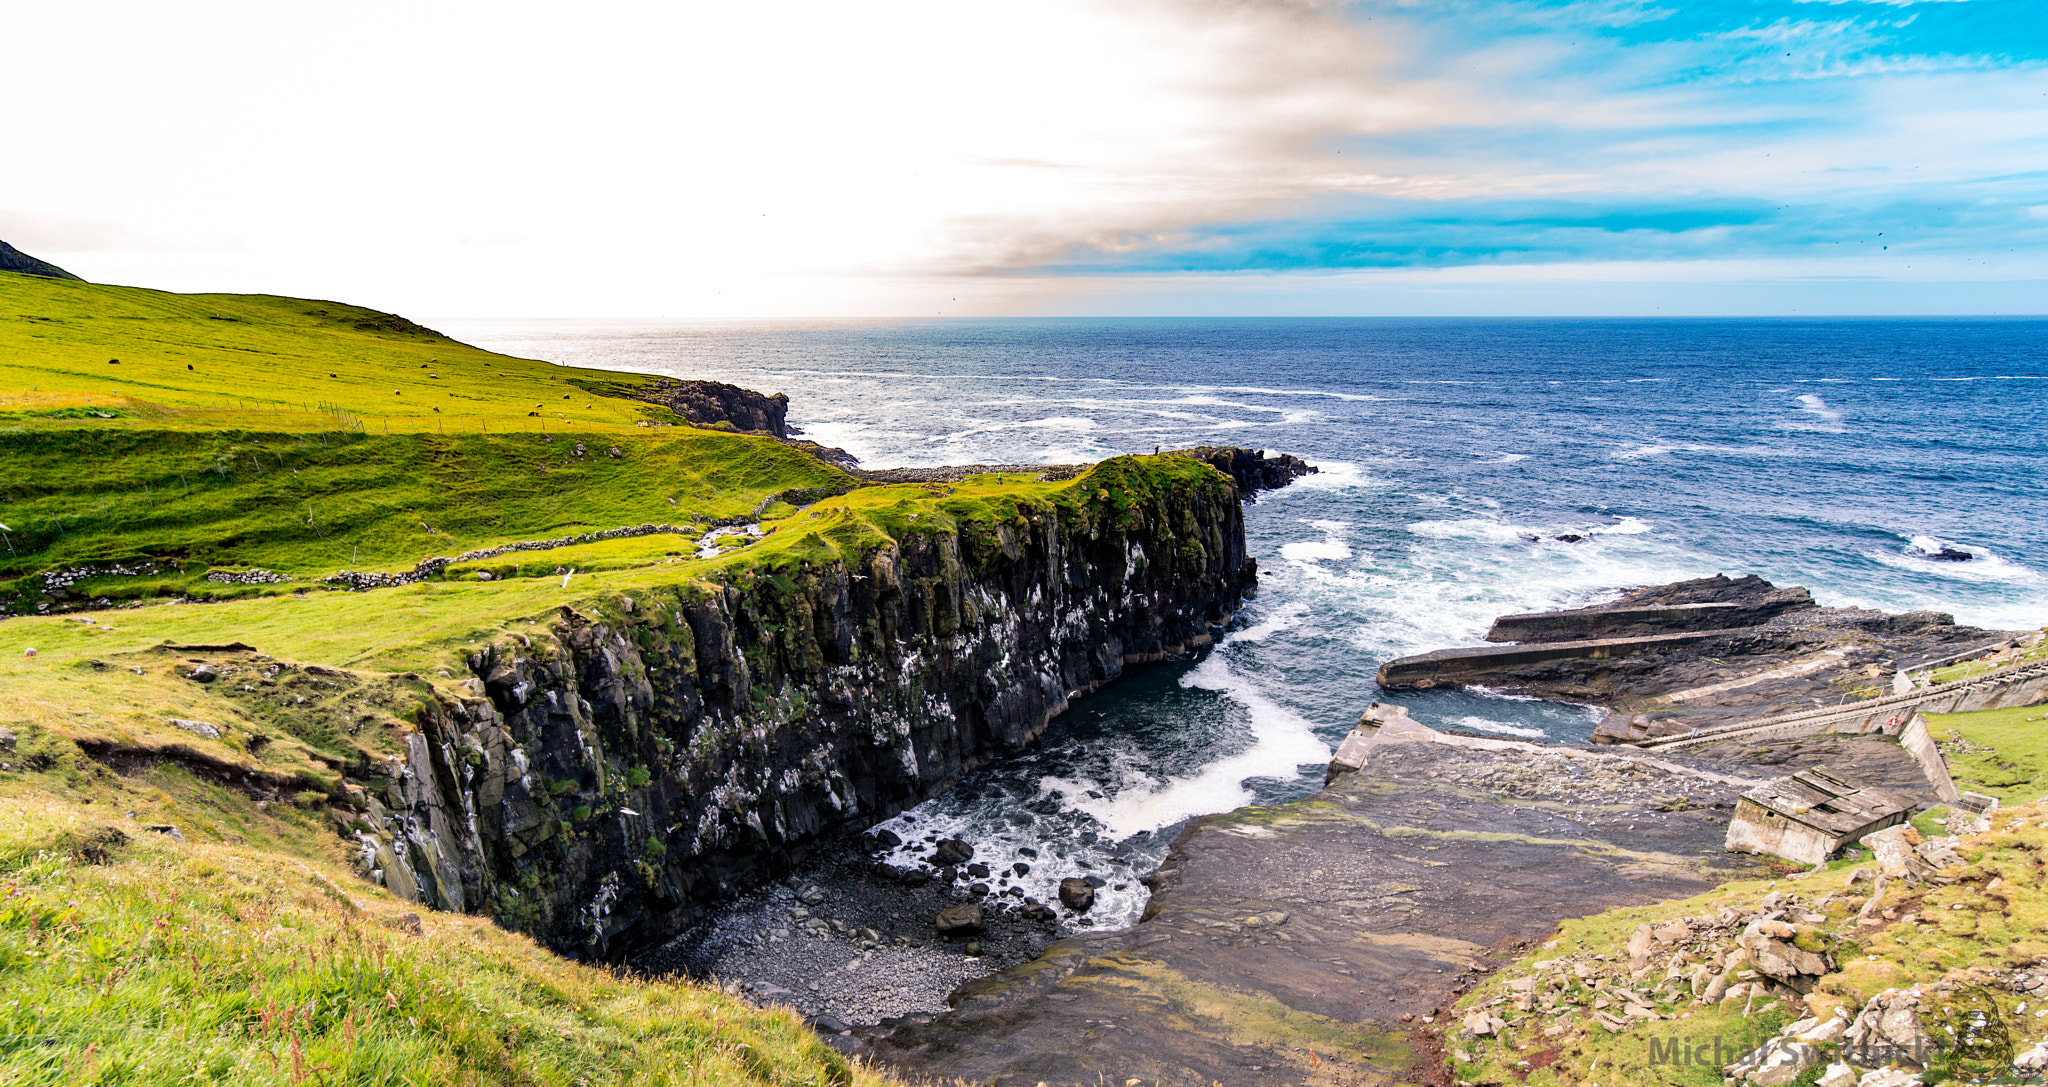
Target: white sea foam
{"x": 1470, "y": 528}
{"x": 1483, "y": 724}
{"x": 1983, "y": 565}
{"x": 1331, "y": 546}
{"x": 1628, "y": 526}
{"x": 1641, "y": 451}
{"x": 1286, "y": 619}
{"x": 1330, "y": 475}
{"x": 1830, "y": 420}
{"x": 1282, "y": 742}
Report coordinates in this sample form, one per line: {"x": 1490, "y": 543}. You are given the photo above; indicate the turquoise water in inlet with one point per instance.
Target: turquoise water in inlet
{"x": 1839, "y": 455}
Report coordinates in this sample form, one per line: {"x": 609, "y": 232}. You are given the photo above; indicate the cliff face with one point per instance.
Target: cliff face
{"x": 14, "y": 260}
{"x": 605, "y": 787}
{"x": 709, "y": 403}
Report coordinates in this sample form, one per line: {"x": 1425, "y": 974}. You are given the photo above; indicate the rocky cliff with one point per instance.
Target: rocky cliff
{"x": 605, "y": 786}
{"x": 710, "y": 403}
{"x": 14, "y": 260}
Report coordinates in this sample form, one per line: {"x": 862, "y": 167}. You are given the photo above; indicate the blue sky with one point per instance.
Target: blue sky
{"x": 918, "y": 158}
{"x": 1874, "y": 133}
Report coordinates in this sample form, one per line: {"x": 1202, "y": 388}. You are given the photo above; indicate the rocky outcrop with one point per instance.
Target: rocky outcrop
{"x": 1322, "y": 941}
{"x": 1712, "y": 603}
{"x": 1253, "y": 470}
{"x": 711, "y": 403}
{"x": 604, "y": 786}
{"x": 14, "y": 260}
{"x": 1669, "y": 659}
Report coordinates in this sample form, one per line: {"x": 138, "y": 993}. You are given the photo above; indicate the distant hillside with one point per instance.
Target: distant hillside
{"x": 14, "y": 260}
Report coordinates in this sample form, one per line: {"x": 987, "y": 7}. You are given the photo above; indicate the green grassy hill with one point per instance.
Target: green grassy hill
{"x": 306, "y": 438}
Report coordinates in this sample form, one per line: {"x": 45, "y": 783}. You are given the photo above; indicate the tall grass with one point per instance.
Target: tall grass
{"x": 128, "y": 958}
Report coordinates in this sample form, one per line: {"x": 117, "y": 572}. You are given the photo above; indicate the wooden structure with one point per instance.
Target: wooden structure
{"x": 1807, "y": 817}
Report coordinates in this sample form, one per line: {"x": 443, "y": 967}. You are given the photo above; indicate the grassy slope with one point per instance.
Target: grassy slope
{"x": 256, "y": 456}
{"x": 248, "y": 953}
{"x": 267, "y": 364}
{"x": 133, "y": 959}
{"x": 1959, "y": 926}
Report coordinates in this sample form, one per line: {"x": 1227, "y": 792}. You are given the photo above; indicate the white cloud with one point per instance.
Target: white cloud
{"x": 820, "y": 158}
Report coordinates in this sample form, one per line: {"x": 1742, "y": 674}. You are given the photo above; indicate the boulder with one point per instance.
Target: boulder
{"x": 1020, "y": 868}
{"x": 1775, "y": 1063}
{"x": 1893, "y": 847}
{"x": 1639, "y": 943}
{"x": 205, "y": 673}
{"x": 7, "y": 741}
{"x": 827, "y": 1023}
{"x": 1792, "y": 955}
{"x": 1076, "y": 895}
{"x": 1940, "y": 852}
{"x": 961, "y": 920}
{"x": 1480, "y": 1025}
{"x": 1836, "y": 1075}
{"x": 812, "y": 895}
{"x": 952, "y": 852}
{"x": 1038, "y": 911}
{"x": 197, "y": 728}
{"x": 1888, "y": 1029}
{"x": 977, "y": 870}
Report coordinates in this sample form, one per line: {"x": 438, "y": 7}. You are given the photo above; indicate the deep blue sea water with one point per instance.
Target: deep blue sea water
{"x": 1835, "y": 454}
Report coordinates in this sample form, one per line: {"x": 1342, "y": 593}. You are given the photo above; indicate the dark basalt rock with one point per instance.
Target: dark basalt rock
{"x": 14, "y": 260}
{"x": 1950, "y": 554}
{"x": 607, "y": 786}
{"x": 953, "y": 851}
{"x": 1253, "y": 470}
{"x": 710, "y": 403}
{"x": 1694, "y": 654}
{"x": 1077, "y": 895}
{"x": 961, "y": 920}
{"x": 1712, "y": 603}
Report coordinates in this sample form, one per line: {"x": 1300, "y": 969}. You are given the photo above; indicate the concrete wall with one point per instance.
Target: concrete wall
{"x": 1919, "y": 743}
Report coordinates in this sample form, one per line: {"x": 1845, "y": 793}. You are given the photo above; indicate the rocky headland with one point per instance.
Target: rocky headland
{"x": 1669, "y": 659}
{"x": 612, "y": 785}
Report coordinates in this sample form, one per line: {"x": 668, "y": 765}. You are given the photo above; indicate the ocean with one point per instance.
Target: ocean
{"x": 1469, "y": 468}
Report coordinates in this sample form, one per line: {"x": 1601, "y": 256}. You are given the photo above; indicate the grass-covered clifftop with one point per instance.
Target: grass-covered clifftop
{"x": 140, "y": 498}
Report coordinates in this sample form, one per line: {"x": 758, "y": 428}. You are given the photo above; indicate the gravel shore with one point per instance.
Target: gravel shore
{"x": 846, "y": 947}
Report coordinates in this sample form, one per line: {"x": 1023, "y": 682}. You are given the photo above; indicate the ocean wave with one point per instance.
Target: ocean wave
{"x": 1138, "y": 801}
{"x": 1483, "y": 724}
{"x": 1830, "y": 418}
{"x": 1983, "y": 565}
{"x": 1627, "y": 526}
{"x": 1331, "y": 546}
{"x": 1330, "y": 475}
{"x": 1286, "y": 619}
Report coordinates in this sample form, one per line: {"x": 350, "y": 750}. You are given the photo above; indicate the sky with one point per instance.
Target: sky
{"x": 915, "y": 159}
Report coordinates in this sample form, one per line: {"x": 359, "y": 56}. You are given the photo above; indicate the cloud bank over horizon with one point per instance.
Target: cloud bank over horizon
{"x": 1158, "y": 156}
